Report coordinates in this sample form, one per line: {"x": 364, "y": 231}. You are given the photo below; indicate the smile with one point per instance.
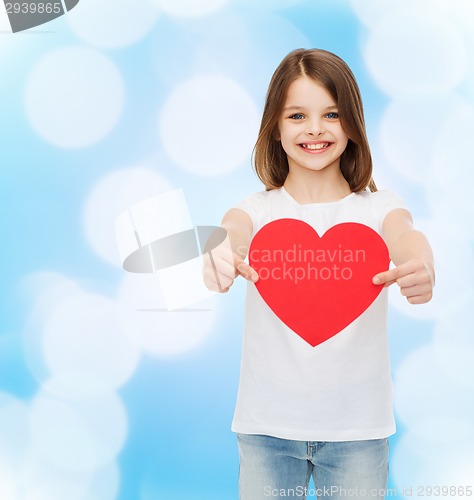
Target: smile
{"x": 315, "y": 147}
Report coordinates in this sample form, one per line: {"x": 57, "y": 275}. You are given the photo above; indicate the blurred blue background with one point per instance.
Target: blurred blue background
{"x": 102, "y": 396}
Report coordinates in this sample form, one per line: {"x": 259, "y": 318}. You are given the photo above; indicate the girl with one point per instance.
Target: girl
{"x": 321, "y": 411}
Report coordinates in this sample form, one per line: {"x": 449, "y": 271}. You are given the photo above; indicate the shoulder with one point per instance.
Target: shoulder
{"x": 261, "y": 196}
{"x": 377, "y": 205}
{"x": 380, "y": 196}
{"x": 384, "y": 200}
{"x": 257, "y": 197}
{"x": 261, "y": 205}
{"x": 258, "y": 201}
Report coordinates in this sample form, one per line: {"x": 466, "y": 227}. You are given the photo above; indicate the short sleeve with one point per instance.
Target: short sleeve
{"x": 254, "y": 205}
{"x": 387, "y": 200}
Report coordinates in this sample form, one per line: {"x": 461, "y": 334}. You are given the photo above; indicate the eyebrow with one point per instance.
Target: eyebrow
{"x": 288, "y": 108}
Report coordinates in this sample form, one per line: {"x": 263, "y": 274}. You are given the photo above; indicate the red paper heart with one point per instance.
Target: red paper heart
{"x": 317, "y": 285}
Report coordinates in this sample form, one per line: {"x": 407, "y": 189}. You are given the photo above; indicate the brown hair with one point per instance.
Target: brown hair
{"x": 270, "y": 160}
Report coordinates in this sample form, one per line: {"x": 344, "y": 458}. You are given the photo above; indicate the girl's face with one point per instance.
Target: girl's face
{"x": 309, "y": 128}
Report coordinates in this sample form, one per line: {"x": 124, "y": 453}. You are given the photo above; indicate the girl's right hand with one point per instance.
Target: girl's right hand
{"x": 225, "y": 262}
{"x": 222, "y": 266}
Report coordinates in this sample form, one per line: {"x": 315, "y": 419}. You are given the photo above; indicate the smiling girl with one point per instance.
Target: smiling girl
{"x": 323, "y": 411}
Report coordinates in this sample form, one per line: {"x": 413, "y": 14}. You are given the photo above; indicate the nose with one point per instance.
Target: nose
{"x": 315, "y": 128}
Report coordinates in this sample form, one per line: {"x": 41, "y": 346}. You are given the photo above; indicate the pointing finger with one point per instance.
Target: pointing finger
{"x": 247, "y": 272}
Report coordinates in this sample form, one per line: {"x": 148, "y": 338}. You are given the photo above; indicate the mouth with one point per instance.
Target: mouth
{"x": 315, "y": 147}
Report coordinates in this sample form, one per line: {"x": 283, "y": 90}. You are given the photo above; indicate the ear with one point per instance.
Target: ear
{"x": 276, "y": 134}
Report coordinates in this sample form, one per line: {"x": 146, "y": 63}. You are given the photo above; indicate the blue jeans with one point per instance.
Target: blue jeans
{"x": 272, "y": 468}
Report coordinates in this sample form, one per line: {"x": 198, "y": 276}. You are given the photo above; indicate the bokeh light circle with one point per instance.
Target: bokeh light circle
{"x": 416, "y": 53}
{"x": 45, "y": 290}
{"x": 454, "y": 344}
{"x": 208, "y": 125}
{"x": 112, "y": 24}
{"x": 423, "y": 390}
{"x": 111, "y": 195}
{"x": 84, "y": 335}
{"x": 79, "y": 432}
{"x": 204, "y": 49}
{"x": 457, "y": 325}
{"x": 190, "y": 8}
{"x": 410, "y": 134}
{"x": 453, "y": 159}
{"x": 454, "y": 270}
{"x": 14, "y": 431}
{"x": 371, "y": 12}
{"x": 266, "y": 5}
{"x": 9, "y": 480}
{"x": 67, "y": 109}
{"x": 159, "y": 331}
{"x": 43, "y": 479}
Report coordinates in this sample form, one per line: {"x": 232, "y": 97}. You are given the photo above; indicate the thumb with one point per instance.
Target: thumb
{"x": 246, "y": 271}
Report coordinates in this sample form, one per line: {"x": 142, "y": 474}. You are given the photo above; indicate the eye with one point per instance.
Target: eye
{"x": 297, "y": 116}
{"x": 332, "y": 115}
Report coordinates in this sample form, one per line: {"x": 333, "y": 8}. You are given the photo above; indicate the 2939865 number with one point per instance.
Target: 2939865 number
{"x": 33, "y": 8}
{"x": 444, "y": 491}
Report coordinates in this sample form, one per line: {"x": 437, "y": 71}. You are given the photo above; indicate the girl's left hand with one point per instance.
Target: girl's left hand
{"x": 414, "y": 277}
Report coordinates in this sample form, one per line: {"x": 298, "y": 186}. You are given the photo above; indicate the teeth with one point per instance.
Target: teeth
{"x": 321, "y": 145}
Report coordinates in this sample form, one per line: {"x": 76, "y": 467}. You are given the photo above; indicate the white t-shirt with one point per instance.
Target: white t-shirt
{"x": 341, "y": 389}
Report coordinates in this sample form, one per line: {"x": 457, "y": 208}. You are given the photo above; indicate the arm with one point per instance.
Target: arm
{"x": 411, "y": 253}
{"x": 223, "y": 264}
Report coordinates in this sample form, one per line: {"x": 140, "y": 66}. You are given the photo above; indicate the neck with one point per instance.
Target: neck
{"x": 317, "y": 186}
